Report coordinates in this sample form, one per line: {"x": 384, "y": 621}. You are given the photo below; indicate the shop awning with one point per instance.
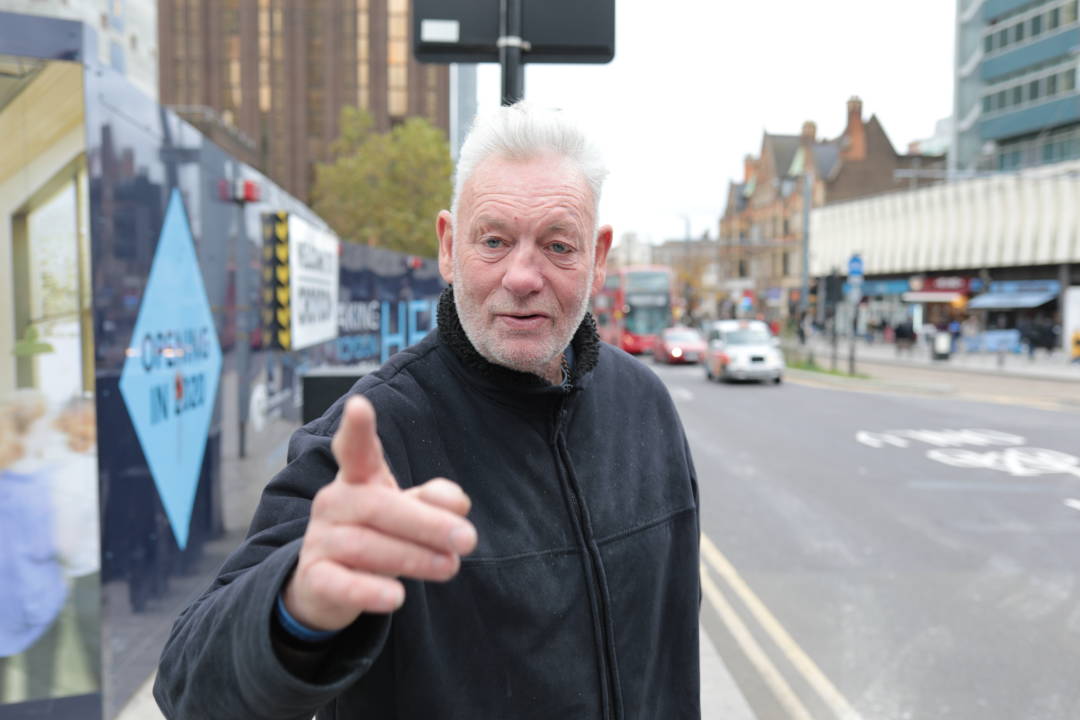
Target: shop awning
{"x": 1009, "y": 300}
{"x": 927, "y": 296}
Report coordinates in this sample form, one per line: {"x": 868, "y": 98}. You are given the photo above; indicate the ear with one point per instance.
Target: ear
{"x": 603, "y": 244}
{"x": 444, "y": 228}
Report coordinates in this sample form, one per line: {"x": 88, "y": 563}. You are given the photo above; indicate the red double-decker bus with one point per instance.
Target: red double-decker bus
{"x": 634, "y": 306}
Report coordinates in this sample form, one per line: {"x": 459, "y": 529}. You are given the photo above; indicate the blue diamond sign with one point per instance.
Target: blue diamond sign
{"x": 171, "y": 373}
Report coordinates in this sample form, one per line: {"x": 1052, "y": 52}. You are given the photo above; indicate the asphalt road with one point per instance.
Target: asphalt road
{"x": 864, "y": 557}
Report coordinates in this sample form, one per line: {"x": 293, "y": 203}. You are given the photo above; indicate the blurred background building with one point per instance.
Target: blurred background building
{"x": 760, "y": 253}
{"x": 126, "y": 33}
{"x": 267, "y": 79}
{"x": 1016, "y": 100}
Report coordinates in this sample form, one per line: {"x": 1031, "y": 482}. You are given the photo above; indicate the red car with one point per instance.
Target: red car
{"x": 679, "y": 345}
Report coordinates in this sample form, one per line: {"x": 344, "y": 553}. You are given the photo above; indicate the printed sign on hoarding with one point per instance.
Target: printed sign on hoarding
{"x": 313, "y": 273}
{"x": 300, "y": 283}
{"x": 170, "y": 377}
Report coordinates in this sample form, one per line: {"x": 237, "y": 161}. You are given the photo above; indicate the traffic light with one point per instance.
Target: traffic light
{"x": 834, "y": 289}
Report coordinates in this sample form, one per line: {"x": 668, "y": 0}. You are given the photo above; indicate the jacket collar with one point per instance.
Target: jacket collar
{"x": 585, "y": 343}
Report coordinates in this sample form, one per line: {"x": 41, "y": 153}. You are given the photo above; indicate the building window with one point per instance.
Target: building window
{"x": 1036, "y": 25}
{"x": 363, "y": 86}
{"x": 397, "y": 69}
{"x": 1070, "y": 12}
{"x": 786, "y": 261}
{"x": 988, "y": 44}
{"x": 742, "y": 268}
{"x": 1052, "y": 85}
{"x": 265, "y": 96}
{"x": 1033, "y": 90}
{"x": 1003, "y": 38}
{"x": 1055, "y": 18}
{"x": 1018, "y": 32}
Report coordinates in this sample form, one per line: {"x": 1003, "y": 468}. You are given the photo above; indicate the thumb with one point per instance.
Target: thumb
{"x": 356, "y": 445}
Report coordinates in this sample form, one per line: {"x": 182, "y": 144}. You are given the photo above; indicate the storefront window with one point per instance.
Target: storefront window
{"x": 49, "y": 535}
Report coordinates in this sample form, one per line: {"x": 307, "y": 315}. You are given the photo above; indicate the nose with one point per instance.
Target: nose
{"x": 523, "y": 276}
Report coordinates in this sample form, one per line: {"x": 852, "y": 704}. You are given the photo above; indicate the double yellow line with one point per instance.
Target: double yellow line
{"x": 773, "y": 678}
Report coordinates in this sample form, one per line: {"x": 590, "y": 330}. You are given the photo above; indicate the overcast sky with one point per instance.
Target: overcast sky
{"x": 695, "y": 82}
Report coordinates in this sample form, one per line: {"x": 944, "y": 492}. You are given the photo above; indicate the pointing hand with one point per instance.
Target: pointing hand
{"x": 364, "y": 532}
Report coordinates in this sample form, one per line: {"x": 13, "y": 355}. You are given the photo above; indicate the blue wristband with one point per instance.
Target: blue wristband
{"x": 298, "y": 631}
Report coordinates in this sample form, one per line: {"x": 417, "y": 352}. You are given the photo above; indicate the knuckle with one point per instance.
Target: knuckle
{"x": 372, "y": 502}
{"x": 359, "y": 542}
{"x": 323, "y": 500}
{"x": 411, "y": 565}
{"x": 321, "y": 583}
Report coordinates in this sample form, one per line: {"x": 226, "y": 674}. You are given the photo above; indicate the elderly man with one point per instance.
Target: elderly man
{"x": 554, "y": 575}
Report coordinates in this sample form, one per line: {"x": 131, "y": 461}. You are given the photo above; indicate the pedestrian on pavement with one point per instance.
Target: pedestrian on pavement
{"x": 553, "y": 575}
{"x": 905, "y": 336}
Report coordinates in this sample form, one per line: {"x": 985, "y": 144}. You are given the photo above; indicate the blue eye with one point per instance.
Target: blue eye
{"x": 559, "y": 248}
{"x": 492, "y": 242}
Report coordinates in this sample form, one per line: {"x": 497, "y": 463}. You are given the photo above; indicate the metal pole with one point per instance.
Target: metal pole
{"x": 854, "y": 332}
{"x": 510, "y": 48}
{"x": 244, "y": 328}
{"x": 834, "y": 340}
{"x": 1064, "y": 277}
{"x": 808, "y": 194}
{"x": 686, "y": 265}
{"x": 821, "y": 316}
{"x": 832, "y": 326}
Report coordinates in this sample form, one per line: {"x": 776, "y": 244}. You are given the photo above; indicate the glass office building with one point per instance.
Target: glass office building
{"x": 1016, "y": 99}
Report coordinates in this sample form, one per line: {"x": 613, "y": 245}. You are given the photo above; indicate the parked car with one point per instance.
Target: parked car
{"x": 743, "y": 350}
{"x": 679, "y": 345}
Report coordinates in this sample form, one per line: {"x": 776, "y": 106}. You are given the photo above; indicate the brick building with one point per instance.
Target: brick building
{"x": 761, "y": 229}
{"x": 268, "y": 78}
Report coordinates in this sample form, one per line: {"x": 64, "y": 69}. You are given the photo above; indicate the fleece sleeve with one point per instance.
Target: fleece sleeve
{"x": 221, "y": 660}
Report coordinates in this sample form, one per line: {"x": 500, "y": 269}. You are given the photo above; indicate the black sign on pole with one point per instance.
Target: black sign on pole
{"x": 512, "y": 33}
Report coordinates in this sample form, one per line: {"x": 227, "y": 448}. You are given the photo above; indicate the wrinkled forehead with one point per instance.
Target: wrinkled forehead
{"x": 543, "y": 181}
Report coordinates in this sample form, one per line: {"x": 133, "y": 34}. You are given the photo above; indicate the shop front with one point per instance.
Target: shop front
{"x": 1017, "y": 314}
{"x": 883, "y": 307}
{"x": 939, "y": 301}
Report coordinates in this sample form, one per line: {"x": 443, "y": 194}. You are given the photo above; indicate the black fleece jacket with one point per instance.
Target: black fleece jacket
{"x": 580, "y": 601}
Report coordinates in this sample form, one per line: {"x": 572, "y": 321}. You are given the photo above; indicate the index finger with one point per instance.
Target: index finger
{"x": 356, "y": 445}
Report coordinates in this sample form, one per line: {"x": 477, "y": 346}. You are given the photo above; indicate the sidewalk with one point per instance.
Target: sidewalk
{"x": 720, "y": 697}
{"x": 1043, "y": 366}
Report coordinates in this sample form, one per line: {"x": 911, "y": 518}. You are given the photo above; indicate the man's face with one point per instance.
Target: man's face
{"x": 523, "y": 260}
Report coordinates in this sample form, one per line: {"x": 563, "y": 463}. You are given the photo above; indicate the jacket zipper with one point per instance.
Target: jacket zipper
{"x": 611, "y": 699}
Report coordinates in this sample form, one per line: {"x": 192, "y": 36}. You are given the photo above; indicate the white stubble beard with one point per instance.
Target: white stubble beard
{"x": 472, "y": 321}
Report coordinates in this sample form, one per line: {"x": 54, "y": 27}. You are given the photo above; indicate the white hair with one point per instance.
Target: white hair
{"x": 523, "y": 131}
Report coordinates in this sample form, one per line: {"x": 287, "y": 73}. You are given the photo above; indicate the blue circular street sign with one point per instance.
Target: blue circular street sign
{"x": 855, "y": 267}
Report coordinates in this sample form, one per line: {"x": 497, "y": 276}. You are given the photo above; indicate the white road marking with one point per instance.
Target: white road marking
{"x": 753, "y": 651}
{"x": 1073, "y": 503}
{"x": 1018, "y": 462}
{"x": 795, "y": 654}
{"x": 880, "y": 440}
{"x": 979, "y": 437}
{"x": 681, "y": 393}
